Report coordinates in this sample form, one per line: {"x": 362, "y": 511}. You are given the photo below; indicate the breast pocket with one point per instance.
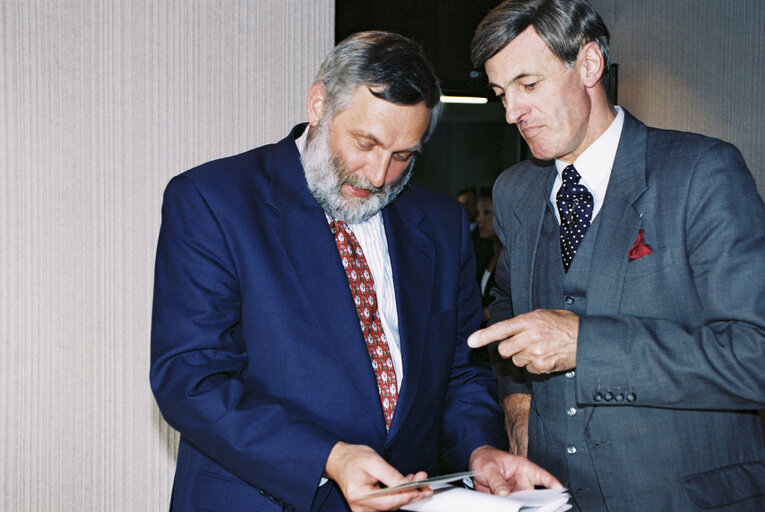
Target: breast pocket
{"x": 650, "y": 286}
{"x": 656, "y": 264}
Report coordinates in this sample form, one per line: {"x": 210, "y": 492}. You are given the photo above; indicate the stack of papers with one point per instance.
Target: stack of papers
{"x": 447, "y": 498}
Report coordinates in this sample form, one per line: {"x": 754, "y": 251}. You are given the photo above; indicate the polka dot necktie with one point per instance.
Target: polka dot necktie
{"x": 364, "y": 297}
{"x": 575, "y": 208}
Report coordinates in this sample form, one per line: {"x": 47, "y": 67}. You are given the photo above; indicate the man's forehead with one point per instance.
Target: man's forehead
{"x": 526, "y": 55}
{"x": 386, "y": 122}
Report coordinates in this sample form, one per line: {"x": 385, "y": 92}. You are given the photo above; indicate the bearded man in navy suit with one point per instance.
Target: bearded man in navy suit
{"x": 258, "y": 358}
{"x": 631, "y": 284}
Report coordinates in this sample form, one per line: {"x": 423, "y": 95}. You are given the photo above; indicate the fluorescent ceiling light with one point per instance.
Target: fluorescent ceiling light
{"x": 474, "y": 100}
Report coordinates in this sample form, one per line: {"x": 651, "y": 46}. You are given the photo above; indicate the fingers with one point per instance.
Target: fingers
{"x": 534, "y": 361}
{"x": 392, "y": 501}
{"x": 518, "y": 442}
{"x": 496, "y": 483}
{"x": 358, "y": 470}
{"x": 542, "y": 341}
{"x": 501, "y": 473}
{"x": 381, "y": 471}
{"x": 516, "y": 408}
{"x": 528, "y": 475}
{"x": 547, "y": 480}
{"x": 497, "y": 332}
{"x": 488, "y": 463}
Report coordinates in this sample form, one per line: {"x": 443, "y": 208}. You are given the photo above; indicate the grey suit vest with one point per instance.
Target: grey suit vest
{"x": 556, "y": 425}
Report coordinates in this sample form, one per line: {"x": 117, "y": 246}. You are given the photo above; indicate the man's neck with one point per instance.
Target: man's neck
{"x": 601, "y": 117}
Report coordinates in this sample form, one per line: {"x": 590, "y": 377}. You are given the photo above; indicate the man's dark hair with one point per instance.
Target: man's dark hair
{"x": 393, "y": 67}
{"x": 564, "y": 25}
{"x": 466, "y": 190}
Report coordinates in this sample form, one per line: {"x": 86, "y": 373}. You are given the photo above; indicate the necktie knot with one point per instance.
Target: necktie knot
{"x": 571, "y": 189}
{"x": 337, "y": 225}
{"x": 570, "y": 176}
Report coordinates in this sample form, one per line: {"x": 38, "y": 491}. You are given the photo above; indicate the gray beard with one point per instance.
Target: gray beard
{"x": 325, "y": 174}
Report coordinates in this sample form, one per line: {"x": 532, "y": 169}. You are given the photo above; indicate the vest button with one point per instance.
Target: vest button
{"x": 569, "y": 299}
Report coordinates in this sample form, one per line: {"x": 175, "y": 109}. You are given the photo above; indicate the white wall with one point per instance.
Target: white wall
{"x": 100, "y": 104}
{"x": 695, "y": 65}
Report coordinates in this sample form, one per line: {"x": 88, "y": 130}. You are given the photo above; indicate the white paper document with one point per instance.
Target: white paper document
{"x": 447, "y": 498}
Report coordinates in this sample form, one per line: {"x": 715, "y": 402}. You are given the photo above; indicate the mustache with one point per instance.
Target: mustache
{"x": 363, "y": 183}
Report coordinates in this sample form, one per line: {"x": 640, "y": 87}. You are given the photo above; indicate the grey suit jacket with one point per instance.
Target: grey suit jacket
{"x": 680, "y": 331}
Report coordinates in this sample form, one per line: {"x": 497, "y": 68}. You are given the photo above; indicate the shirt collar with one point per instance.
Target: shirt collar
{"x": 595, "y": 163}
{"x": 300, "y": 141}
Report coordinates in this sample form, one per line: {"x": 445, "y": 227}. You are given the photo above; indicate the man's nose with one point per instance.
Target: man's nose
{"x": 377, "y": 170}
{"x": 514, "y": 109}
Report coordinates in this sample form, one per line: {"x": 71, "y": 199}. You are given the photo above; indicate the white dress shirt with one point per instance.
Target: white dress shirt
{"x": 594, "y": 165}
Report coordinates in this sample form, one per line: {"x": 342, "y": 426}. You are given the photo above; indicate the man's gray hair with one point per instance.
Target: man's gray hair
{"x": 393, "y": 67}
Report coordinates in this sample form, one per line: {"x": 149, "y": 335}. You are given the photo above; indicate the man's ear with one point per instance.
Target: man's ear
{"x": 592, "y": 64}
{"x": 315, "y": 103}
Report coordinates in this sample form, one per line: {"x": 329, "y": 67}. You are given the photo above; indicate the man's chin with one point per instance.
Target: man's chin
{"x": 354, "y": 210}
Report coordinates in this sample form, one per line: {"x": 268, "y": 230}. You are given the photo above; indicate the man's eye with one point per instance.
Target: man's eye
{"x": 530, "y": 86}
{"x": 402, "y": 157}
{"x": 364, "y": 146}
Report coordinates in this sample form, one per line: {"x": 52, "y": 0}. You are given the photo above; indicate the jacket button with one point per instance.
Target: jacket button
{"x": 571, "y": 449}
{"x": 618, "y": 397}
{"x": 609, "y": 396}
{"x": 569, "y": 299}
{"x": 631, "y": 397}
{"x": 598, "y": 397}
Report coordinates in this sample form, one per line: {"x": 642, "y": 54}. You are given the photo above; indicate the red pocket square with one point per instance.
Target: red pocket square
{"x": 640, "y": 248}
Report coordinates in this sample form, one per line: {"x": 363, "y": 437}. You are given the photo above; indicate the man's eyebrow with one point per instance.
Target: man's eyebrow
{"x": 517, "y": 77}
{"x": 375, "y": 140}
{"x": 366, "y": 135}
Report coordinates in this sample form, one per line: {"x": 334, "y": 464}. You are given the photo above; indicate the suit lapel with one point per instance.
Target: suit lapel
{"x": 411, "y": 256}
{"x": 619, "y": 220}
{"x": 309, "y": 249}
{"x": 528, "y": 213}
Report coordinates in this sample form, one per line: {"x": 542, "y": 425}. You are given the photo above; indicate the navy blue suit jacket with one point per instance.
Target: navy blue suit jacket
{"x": 257, "y": 354}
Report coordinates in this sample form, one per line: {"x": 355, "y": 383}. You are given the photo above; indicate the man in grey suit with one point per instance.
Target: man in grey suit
{"x": 631, "y": 287}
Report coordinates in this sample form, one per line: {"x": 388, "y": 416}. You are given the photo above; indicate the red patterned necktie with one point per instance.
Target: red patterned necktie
{"x": 365, "y": 299}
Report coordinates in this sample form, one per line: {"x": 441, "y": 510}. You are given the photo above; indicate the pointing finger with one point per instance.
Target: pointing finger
{"x": 496, "y": 332}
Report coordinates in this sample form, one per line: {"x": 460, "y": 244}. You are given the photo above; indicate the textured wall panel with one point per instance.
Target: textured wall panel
{"x": 695, "y": 65}
{"x": 100, "y": 104}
